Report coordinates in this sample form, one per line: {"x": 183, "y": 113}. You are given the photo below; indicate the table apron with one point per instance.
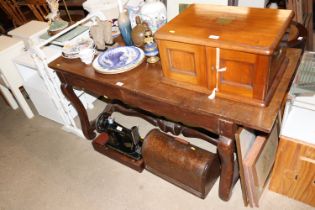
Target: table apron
{"x": 212, "y": 123}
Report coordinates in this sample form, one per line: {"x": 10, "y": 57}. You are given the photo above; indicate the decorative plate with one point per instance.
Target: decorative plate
{"x": 126, "y": 68}
{"x": 119, "y": 57}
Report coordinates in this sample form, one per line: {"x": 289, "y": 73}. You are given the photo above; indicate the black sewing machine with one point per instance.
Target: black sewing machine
{"x": 121, "y": 139}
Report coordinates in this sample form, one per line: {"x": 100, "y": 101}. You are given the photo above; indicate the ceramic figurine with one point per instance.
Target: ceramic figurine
{"x": 153, "y": 12}
{"x": 102, "y": 35}
{"x": 138, "y": 31}
{"x": 124, "y": 25}
{"x": 56, "y": 24}
{"x": 108, "y": 35}
{"x": 150, "y": 47}
{"x": 97, "y": 34}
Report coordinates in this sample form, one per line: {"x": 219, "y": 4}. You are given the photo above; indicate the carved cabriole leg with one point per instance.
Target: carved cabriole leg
{"x": 87, "y": 127}
{"x": 227, "y": 177}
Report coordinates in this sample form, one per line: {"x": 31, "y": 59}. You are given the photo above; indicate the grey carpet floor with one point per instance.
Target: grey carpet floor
{"x": 43, "y": 167}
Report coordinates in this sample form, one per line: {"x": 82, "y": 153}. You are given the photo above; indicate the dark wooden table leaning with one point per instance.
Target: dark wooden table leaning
{"x": 250, "y": 77}
{"x": 142, "y": 88}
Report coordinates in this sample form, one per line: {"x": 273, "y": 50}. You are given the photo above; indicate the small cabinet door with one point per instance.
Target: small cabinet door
{"x": 184, "y": 63}
{"x": 242, "y": 76}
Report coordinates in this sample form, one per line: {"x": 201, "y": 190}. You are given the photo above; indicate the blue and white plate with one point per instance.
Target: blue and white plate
{"x": 132, "y": 65}
{"x": 119, "y": 57}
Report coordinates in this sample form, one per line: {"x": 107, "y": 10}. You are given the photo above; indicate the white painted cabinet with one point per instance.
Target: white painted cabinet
{"x": 10, "y": 78}
{"x": 37, "y": 90}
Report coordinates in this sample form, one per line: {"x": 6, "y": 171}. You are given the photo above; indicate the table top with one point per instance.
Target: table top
{"x": 144, "y": 84}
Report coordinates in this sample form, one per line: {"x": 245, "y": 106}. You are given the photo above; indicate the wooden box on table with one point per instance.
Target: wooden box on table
{"x": 237, "y": 50}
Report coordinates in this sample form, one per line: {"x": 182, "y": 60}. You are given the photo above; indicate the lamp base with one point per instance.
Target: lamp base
{"x": 57, "y": 26}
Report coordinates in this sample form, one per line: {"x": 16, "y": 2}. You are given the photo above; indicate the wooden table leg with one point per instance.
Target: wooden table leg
{"x": 229, "y": 169}
{"x": 87, "y": 127}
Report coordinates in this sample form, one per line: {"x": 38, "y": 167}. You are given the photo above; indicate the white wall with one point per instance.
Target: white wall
{"x": 252, "y": 3}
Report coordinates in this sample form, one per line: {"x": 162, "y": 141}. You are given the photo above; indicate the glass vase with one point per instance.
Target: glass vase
{"x": 125, "y": 27}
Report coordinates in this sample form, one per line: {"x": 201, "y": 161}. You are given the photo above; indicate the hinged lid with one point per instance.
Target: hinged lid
{"x": 245, "y": 29}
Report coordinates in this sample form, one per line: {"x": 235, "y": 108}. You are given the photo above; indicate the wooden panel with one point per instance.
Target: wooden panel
{"x": 240, "y": 73}
{"x": 275, "y": 64}
{"x": 178, "y": 66}
{"x": 244, "y": 140}
{"x": 237, "y": 78}
{"x": 294, "y": 171}
{"x": 13, "y": 11}
{"x": 256, "y": 157}
{"x": 211, "y": 64}
{"x": 259, "y": 162}
{"x": 309, "y": 23}
{"x": 246, "y": 75}
{"x": 260, "y": 83}
{"x": 303, "y": 10}
{"x": 184, "y": 62}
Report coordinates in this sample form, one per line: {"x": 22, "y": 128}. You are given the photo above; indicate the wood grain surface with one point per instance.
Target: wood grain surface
{"x": 294, "y": 171}
{"x": 253, "y": 30}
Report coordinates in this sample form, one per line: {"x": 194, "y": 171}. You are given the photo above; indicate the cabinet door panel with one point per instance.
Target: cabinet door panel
{"x": 240, "y": 73}
{"x": 184, "y": 62}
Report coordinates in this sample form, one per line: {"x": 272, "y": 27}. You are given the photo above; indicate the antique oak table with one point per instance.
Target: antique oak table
{"x": 183, "y": 109}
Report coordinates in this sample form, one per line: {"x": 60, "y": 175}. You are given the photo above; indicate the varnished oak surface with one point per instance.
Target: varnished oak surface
{"x": 143, "y": 85}
{"x": 244, "y": 29}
